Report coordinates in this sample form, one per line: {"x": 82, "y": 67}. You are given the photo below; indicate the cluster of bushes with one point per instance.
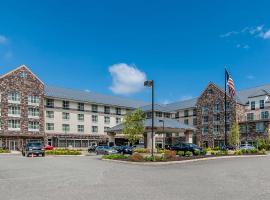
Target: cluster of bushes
{"x": 249, "y": 151}
{"x": 63, "y": 152}
{"x": 219, "y": 153}
{"x": 115, "y": 157}
{"x": 142, "y": 150}
{"x": 4, "y": 150}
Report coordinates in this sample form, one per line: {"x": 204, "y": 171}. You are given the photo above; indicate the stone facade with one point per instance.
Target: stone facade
{"x": 24, "y": 82}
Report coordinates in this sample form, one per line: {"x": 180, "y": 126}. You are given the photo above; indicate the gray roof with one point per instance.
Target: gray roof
{"x": 91, "y": 97}
{"x": 157, "y": 107}
{"x": 168, "y": 123}
{"x": 191, "y": 103}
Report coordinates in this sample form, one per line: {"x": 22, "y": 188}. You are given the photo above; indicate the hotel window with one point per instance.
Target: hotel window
{"x": 66, "y": 105}
{"x": 261, "y": 104}
{"x": 118, "y": 111}
{"x": 94, "y": 129}
{"x": 252, "y": 105}
{"x": 159, "y": 114}
{"x": 250, "y": 116}
{"x": 194, "y": 112}
{"x": 106, "y": 109}
{"x": 118, "y": 120}
{"x": 106, "y": 120}
{"x": 106, "y": 128}
{"x": 33, "y": 126}
{"x": 81, "y": 117}
{"x": 50, "y": 114}
{"x": 94, "y": 118}
{"x": 65, "y": 128}
{"x": 216, "y": 118}
{"x": 149, "y": 115}
{"x": 14, "y": 110}
{"x": 81, "y": 106}
{"x": 49, "y": 103}
{"x": 205, "y": 110}
{"x": 177, "y": 115}
{"x": 264, "y": 115}
{"x": 205, "y": 119}
{"x": 1, "y": 123}
{"x": 33, "y": 112}
{"x": 186, "y": 121}
{"x": 227, "y": 127}
{"x": 228, "y": 106}
{"x": 205, "y": 130}
{"x": 167, "y": 115}
{"x": 65, "y": 116}
{"x": 23, "y": 74}
{"x": 186, "y": 113}
{"x": 216, "y": 128}
{"x": 244, "y": 128}
{"x": 80, "y": 128}
{"x": 217, "y": 107}
{"x": 14, "y": 97}
{"x": 33, "y": 100}
{"x": 210, "y": 91}
{"x": 194, "y": 121}
{"x": 260, "y": 127}
{"x": 49, "y": 126}
{"x": 14, "y": 124}
{"x": 94, "y": 108}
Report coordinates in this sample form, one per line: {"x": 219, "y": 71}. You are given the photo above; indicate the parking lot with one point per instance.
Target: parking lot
{"x": 90, "y": 178}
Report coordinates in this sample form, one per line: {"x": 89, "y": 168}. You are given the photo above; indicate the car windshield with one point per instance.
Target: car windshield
{"x": 34, "y": 144}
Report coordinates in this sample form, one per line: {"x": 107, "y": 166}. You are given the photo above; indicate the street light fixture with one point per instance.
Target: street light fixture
{"x": 150, "y": 83}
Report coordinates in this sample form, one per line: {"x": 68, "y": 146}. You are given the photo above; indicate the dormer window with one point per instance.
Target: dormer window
{"x": 210, "y": 91}
{"x": 23, "y": 75}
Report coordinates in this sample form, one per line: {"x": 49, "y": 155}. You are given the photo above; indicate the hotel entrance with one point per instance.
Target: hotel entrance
{"x": 13, "y": 145}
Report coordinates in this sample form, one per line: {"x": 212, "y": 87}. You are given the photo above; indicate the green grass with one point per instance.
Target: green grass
{"x": 115, "y": 157}
{"x": 4, "y": 150}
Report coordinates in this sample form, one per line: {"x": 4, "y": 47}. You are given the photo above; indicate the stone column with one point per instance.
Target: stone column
{"x": 149, "y": 141}
{"x": 188, "y": 135}
{"x": 111, "y": 138}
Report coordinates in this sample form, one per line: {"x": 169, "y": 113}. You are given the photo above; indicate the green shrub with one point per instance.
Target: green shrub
{"x": 180, "y": 153}
{"x": 188, "y": 153}
{"x": 154, "y": 158}
{"x": 216, "y": 148}
{"x": 161, "y": 150}
{"x": 263, "y": 151}
{"x": 141, "y": 150}
{"x": 238, "y": 152}
{"x": 136, "y": 157}
{"x": 169, "y": 155}
{"x": 254, "y": 151}
{"x": 115, "y": 156}
{"x": 213, "y": 153}
{"x": 4, "y": 150}
{"x": 63, "y": 152}
{"x": 205, "y": 151}
{"x": 197, "y": 153}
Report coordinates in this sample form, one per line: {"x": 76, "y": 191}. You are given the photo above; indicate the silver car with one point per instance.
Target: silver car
{"x": 247, "y": 147}
{"x": 105, "y": 150}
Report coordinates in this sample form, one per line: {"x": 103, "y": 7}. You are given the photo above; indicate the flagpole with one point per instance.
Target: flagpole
{"x": 225, "y": 109}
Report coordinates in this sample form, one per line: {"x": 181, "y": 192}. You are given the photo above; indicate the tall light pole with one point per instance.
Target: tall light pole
{"x": 150, "y": 83}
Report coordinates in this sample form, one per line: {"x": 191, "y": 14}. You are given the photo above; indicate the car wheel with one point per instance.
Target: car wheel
{"x": 26, "y": 155}
{"x": 43, "y": 155}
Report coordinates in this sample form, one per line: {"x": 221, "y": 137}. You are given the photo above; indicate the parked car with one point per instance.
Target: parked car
{"x": 186, "y": 147}
{"x": 246, "y": 147}
{"x": 228, "y": 147}
{"x": 126, "y": 150}
{"x": 105, "y": 150}
{"x": 92, "y": 149}
{"x": 138, "y": 146}
{"x": 48, "y": 147}
{"x": 33, "y": 148}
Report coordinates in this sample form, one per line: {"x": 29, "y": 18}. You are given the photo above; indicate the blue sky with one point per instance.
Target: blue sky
{"x": 110, "y": 47}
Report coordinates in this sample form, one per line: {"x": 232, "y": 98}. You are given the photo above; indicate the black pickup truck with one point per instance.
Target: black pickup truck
{"x": 35, "y": 148}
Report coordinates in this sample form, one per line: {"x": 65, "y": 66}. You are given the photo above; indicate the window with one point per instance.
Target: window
{"x": 106, "y": 128}
{"x": 244, "y": 128}
{"x": 159, "y": 114}
{"x": 194, "y": 112}
{"x": 33, "y": 100}
{"x": 118, "y": 111}
{"x": 216, "y": 129}
{"x": 66, "y": 105}
{"x": 81, "y": 117}
{"x": 14, "y": 124}
{"x": 65, "y": 127}
{"x": 14, "y": 97}
{"x": 185, "y": 113}
{"x": 107, "y": 110}
{"x": 250, "y": 116}
{"x": 219, "y": 143}
{"x": 261, "y": 104}
{"x": 65, "y": 116}
{"x": 50, "y": 114}
{"x": 186, "y": 121}
{"x": 252, "y": 105}
{"x": 210, "y": 91}
{"x": 217, "y": 108}
{"x": 81, "y": 106}
{"x": 94, "y": 108}
{"x": 260, "y": 127}
{"x": 33, "y": 126}
{"x": 205, "y": 119}
{"x": 80, "y": 128}
{"x": 94, "y": 129}
{"x": 49, "y": 126}
{"x": 118, "y": 120}
{"x": 23, "y": 74}
{"x": 217, "y": 118}
{"x": 149, "y": 115}
{"x": 106, "y": 120}
{"x": 205, "y": 110}
{"x": 205, "y": 130}
{"x": 227, "y": 128}
{"x": 264, "y": 115}
{"x": 194, "y": 121}
{"x": 49, "y": 103}
{"x": 33, "y": 112}
{"x": 167, "y": 115}
{"x": 94, "y": 118}
{"x": 228, "y": 106}
{"x": 177, "y": 115}
{"x": 14, "y": 111}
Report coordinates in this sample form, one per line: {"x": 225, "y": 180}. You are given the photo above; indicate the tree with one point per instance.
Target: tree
{"x": 234, "y": 135}
{"x": 133, "y": 126}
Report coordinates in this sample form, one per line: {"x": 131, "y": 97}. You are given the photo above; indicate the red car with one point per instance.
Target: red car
{"x": 48, "y": 147}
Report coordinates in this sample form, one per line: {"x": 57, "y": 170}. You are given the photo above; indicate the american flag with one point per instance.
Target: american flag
{"x": 230, "y": 84}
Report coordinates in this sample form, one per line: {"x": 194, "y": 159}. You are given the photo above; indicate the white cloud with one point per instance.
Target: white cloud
{"x": 3, "y": 39}
{"x": 265, "y": 35}
{"x": 126, "y": 79}
{"x": 229, "y": 34}
{"x": 250, "y": 77}
{"x": 86, "y": 90}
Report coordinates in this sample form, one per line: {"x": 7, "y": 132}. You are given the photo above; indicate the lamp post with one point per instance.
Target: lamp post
{"x": 150, "y": 83}
{"x": 162, "y": 120}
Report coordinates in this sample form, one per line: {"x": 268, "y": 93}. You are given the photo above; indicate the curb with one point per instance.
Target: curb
{"x": 183, "y": 161}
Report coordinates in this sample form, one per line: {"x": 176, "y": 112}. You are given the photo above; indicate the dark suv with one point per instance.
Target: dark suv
{"x": 35, "y": 148}
{"x": 186, "y": 147}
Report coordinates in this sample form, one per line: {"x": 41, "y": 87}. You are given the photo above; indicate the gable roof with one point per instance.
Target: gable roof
{"x": 91, "y": 97}
{"x": 157, "y": 107}
{"x": 180, "y": 105}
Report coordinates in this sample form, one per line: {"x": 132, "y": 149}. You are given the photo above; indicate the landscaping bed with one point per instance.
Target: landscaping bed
{"x": 4, "y": 150}
{"x": 63, "y": 152}
{"x": 169, "y": 156}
